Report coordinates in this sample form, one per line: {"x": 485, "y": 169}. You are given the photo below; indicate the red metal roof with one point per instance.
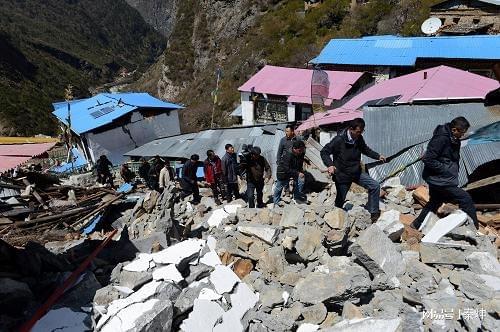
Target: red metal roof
{"x": 12, "y": 155}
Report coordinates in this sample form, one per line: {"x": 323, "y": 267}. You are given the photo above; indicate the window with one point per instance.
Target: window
{"x": 456, "y": 20}
{"x": 476, "y": 20}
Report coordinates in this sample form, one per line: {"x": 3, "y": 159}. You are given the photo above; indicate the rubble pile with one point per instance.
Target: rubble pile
{"x": 293, "y": 267}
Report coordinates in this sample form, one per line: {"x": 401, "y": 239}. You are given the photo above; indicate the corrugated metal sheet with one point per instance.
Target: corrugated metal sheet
{"x": 391, "y": 129}
{"x": 183, "y": 146}
{"x": 404, "y": 51}
{"x": 12, "y": 155}
{"x": 104, "y": 108}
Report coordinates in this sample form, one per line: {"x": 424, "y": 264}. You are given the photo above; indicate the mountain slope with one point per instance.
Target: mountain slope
{"x": 48, "y": 44}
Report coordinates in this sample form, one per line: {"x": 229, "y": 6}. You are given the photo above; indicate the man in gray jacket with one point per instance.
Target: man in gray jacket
{"x": 230, "y": 173}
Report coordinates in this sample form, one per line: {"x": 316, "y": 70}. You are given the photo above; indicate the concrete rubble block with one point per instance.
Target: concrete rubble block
{"x": 167, "y": 273}
{"x": 210, "y": 259}
{"x": 336, "y": 218}
{"x": 314, "y": 314}
{"x": 272, "y": 262}
{"x": 203, "y": 317}
{"x": 377, "y": 253}
{"x": 472, "y": 285}
{"x": 265, "y": 233}
{"x": 62, "y": 319}
{"x": 389, "y": 223}
{"x": 351, "y": 311}
{"x": 152, "y": 315}
{"x": 181, "y": 251}
{"x": 134, "y": 280}
{"x": 483, "y": 263}
{"x": 442, "y": 253}
{"x": 185, "y": 301}
{"x": 367, "y": 325}
{"x": 216, "y": 217}
{"x": 309, "y": 242}
{"x": 385, "y": 304}
{"x": 292, "y": 217}
{"x": 242, "y": 301}
{"x": 223, "y": 279}
{"x": 270, "y": 297}
{"x": 385, "y": 282}
{"x": 307, "y": 327}
{"x": 333, "y": 287}
{"x": 142, "y": 263}
{"x": 444, "y": 226}
{"x": 244, "y": 242}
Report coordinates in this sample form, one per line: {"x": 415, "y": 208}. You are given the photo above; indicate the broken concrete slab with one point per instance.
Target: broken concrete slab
{"x": 167, "y": 273}
{"x": 223, "y": 279}
{"x": 389, "y": 222}
{"x": 203, "y": 317}
{"x": 444, "y": 226}
{"x": 483, "y": 263}
{"x": 62, "y": 319}
{"x": 377, "y": 253}
{"x": 265, "y": 233}
{"x": 152, "y": 315}
{"x": 242, "y": 300}
{"x": 211, "y": 259}
{"x": 179, "y": 252}
{"x": 142, "y": 263}
{"x": 367, "y": 325}
{"x": 292, "y": 217}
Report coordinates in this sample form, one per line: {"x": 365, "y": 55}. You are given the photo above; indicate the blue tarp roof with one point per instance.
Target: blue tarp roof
{"x": 404, "y": 51}
{"x": 104, "y": 108}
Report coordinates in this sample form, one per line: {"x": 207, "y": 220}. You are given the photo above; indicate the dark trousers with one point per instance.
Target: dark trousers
{"x": 440, "y": 195}
{"x": 251, "y": 189}
{"x": 366, "y": 182}
{"x": 190, "y": 188}
{"x": 217, "y": 189}
{"x": 232, "y": 189}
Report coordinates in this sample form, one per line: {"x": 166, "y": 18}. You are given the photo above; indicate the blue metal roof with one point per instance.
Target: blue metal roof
{"x": 404, "y": 51}
{"x": 104, "y": 108}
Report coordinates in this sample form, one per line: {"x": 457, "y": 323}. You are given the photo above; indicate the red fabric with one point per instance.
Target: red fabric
{"x": 212, "y": 172}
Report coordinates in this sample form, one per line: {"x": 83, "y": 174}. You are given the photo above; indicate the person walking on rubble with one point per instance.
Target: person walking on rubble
{"x": 126, "y": 174}
{"x": 154, "y": 173}
{"x": 144, "y": 170}
{"x": 230, "y": 173}
{"x": 189, "y": 180}
{"x": 441, "y": 165}
{"x": 103, "y": 170}
{"x": 291, "y": 166}
{"x": 166, "y": 177}
{"x": 286, "y": 145}
{"x": 256, "y": 167}
{"x": 212, "y": 167}
{"x": 342, "y": 156}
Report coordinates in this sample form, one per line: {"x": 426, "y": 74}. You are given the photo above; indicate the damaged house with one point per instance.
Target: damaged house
{"x": 113, "y": 123}
{"x": 280, "y": 94}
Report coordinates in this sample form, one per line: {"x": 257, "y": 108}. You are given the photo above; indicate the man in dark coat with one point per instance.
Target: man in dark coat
{"x": 154, "y": 173}
{"x": 286, "y": 142}
{"x": 290, "y": 166}
{"x": 144, "y": 170}
{"x": 103, "y": 166}
{"x": 342, "y": 156}
{"x": 189, "y": 180}
{"x": 256, "y": 167}
{"x": 441, "y": 164}
{"x": 213, "y": 174}
{"x": 126, "y": 174}
{"x": 230, "y": 173}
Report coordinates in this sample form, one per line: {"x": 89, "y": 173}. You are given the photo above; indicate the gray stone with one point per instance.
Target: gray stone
{"x": 309, "y": 242}
{"x": 272, "y": 262}
{"x": 385, "y": 304}
{"x": 270, "y": 297}
{"x": 334, "y": 287}
{"x": 271, "y": 322}
{"x": 82, "y": 293}
{"x": 471, "y": 285}
{"x": 367, "y": 325}
{"x": 134, "y": 280}
{"x": 389, "y": 223}
{"x": 336, "y": 241}
{"x": 107, "y": 295}
{"x": 198, "y": 272}
{"x": 290, "y": 278}
{"x": 203, "y": 317}
{"x": 291, "y": 313}
{"x": 185, "y": 301}
{"x": 314, "y": 314}
{"x": 483, "y": 263}
{"x": 350, "y": 311}
{"x": 265, "y": 233}
{"x": 152, "y": 315}
{"x": 292, "y": 217}
{"x": 377, "y": 253}
{"x": 336, "y": 218}
{"x": 444, "y": 253}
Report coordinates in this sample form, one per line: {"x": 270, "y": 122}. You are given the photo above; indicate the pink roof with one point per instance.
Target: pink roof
{"x": 442, "y": 83}
{"x": 295, "y": 83}
{"x": 12, "y": 155}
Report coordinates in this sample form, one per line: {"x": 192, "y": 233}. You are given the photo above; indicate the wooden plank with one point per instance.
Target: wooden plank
{"x": 483, "y": 183}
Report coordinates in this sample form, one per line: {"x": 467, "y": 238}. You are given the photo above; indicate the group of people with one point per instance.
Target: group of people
{"x": 342, "y": 156}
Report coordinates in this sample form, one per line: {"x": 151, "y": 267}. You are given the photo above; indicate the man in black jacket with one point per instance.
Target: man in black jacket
{"x": 286, "y": 142}
{"x": 342, "y": 156}
{"x": 256, "y": 167}
{"x": 230, "y": 173}
{"x": 441, "y": 170}
{"x": 291, "y": 165}
{"x": 189, "y": 180}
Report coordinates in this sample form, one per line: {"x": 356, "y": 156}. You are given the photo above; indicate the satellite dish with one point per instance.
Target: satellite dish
{"x": 431, "y": 25}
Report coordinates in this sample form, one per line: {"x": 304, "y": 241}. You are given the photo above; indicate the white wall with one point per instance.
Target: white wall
{"x": 115, "y": 142}
{"x": 248, "y": 116}
{"x": 291, "y": 112}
